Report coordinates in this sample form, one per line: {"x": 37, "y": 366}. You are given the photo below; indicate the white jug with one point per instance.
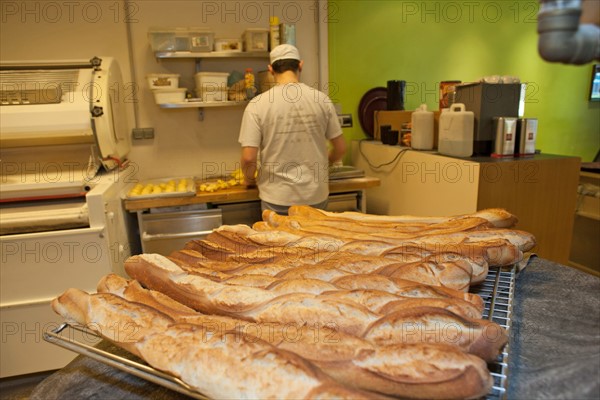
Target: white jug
{"x": 456, "y": 131}
{"x": 422, "y": 128}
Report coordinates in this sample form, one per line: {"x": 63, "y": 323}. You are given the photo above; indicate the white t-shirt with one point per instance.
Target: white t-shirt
{"x": 290, "y": 125}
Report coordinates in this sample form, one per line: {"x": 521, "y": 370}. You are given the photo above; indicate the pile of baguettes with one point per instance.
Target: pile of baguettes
{"x": 315, "y": 305}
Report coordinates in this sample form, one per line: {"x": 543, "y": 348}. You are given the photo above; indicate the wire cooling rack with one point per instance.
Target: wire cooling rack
{"x": 497, "y": 292}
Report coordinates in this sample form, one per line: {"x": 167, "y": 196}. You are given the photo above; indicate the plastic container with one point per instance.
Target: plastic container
{"x": 166, "y": 96}
{"x": 228, "y": 45}
{"x": 422, "y": 128}
{"x": 201, "y": 39}
{"x": 211, "y": 80}
{"x": 256, "y": 39}
{"x": 163, "y": 81}
{"x": 169, "y": 39}
{"x": 456, "y": 131}
{"x": 249, "y": 84}
{"x": 287, "y": 34}
{"x": 211, "y": 86}
{"x": 273, "y": 32}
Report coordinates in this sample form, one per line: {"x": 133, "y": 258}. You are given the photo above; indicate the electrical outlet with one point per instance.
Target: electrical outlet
{"x": 345, "y": 120}
{"x": 142, "y": 133}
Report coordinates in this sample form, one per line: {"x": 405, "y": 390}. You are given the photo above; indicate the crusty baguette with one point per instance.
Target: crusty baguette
{"x": 425, "y": 371}
{"x": 497, "y": 216}
{"x": 495, "y": 246}
{"x": 258, "y": 305}
{"x": 454, "y": 274}
{"x": 434, "y": 325}
{"x": 356, "y": 230}
{"x": 217, "y": 364}
{"x": 159, "y": 273}
{"x": 377, "y": 290}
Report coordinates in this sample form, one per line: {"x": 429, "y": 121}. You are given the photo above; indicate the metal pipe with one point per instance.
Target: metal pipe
{"x": 562, "y": 38}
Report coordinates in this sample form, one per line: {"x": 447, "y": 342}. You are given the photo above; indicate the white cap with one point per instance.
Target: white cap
{"x": 285, "y": 52}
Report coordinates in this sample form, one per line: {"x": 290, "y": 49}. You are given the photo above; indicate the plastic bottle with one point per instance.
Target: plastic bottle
{"x": 422, "y": 128}
{"x": 274, "y": 39}
{"x": 249, "y": 84}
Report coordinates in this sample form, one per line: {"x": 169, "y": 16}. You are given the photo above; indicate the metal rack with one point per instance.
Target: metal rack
{"x": 132, "y": 367}
{"x": 497, "y": 292}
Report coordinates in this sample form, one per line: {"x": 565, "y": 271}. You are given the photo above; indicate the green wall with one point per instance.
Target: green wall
{"x": 425, "y": 42}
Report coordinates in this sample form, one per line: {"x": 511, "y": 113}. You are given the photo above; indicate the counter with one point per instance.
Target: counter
{"x": 541, "y": 190}
{"x": 240, "y": 194}
{"x": 554, "y": 346}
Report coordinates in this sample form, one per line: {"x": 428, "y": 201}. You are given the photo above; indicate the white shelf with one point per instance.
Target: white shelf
{"x": 200, "y": 104}
{"x": 211, "y": 54}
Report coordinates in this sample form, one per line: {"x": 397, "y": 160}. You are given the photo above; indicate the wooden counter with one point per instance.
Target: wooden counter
{"x": 240, "y": 193}
{"x": 540, "y": 190}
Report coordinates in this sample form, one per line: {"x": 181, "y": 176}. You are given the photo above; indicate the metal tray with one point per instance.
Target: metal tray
{"x": 143, "y": 371}
{"x": 190, "y": 189}
{"x": 497, "y": 292}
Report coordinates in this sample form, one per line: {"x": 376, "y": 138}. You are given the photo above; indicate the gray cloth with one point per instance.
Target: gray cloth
{"x": 555, "y": 336}
{"x": 85, "y": 378}
{"x": 554, "y": 346}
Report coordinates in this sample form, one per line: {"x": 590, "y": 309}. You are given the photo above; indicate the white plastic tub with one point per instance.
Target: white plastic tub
{"x": 166, "y": 96}
{"x": 256, "y": 39}
{"x": 228, "y": 45}
{"x": 169, "y": 39}
{"x": 163, "y": 81}
{"x": 201, "y": 40}
{"x": 211, "y": 81}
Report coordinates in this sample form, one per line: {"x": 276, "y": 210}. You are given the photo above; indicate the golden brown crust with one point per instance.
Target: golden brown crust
{"x": 482, "y": 338}
{"x": 496, "y": 216}
{"x": 420, "y": 370}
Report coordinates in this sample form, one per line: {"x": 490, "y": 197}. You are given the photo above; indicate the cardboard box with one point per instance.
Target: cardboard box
{"x": 396, "y": 118}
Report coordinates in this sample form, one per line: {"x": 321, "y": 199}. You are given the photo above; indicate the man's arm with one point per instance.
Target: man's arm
{"x": 338, "y": 149}
{"x": 248, "y": 163}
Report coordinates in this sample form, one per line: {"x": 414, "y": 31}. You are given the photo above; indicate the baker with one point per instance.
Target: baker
{"x": 288, "y": 128}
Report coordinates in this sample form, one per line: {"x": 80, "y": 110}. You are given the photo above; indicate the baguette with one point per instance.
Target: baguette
{"x": 159, "y": 273}
{"x": 482, "y": 338}
{"x": 356, "y": 230}
{"x": 256, "y": 305}
{"x": 456, "y": 274}
{"x": 376, "y": 291}
{"x": 425, "y": 371}
{"x": 496, "y": 216}
{"x": 495, "y": 246}
{"x": 217, "y": 364}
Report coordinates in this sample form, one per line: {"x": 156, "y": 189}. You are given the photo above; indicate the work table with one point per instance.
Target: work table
{"x": 553, "y": 346}
{"x": 239, "y": 194}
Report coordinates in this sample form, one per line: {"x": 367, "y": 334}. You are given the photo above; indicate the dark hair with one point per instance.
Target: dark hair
{"x": 288, "y": 64}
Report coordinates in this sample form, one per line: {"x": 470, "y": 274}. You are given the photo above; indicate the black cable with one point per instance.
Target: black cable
{"x": 395, "y": 159}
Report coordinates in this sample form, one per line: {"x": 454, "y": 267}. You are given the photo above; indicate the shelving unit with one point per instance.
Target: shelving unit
{"x": 162, "y": 55}
{"x": 211, "y": 54}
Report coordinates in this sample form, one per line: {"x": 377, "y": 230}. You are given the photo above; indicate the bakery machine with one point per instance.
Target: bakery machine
{"x": 64, "y": 139}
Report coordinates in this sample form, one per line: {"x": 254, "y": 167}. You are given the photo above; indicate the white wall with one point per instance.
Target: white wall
{"x": 183, "y": 145}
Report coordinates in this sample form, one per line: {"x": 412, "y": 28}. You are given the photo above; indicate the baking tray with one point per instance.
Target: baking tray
{"x": 63, "y": 336}
{"x": 190, "y": 189}
{"x": 496, "y": 291}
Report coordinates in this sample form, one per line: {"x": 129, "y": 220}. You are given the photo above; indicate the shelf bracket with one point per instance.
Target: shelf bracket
{"x": 201, "y": 113}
